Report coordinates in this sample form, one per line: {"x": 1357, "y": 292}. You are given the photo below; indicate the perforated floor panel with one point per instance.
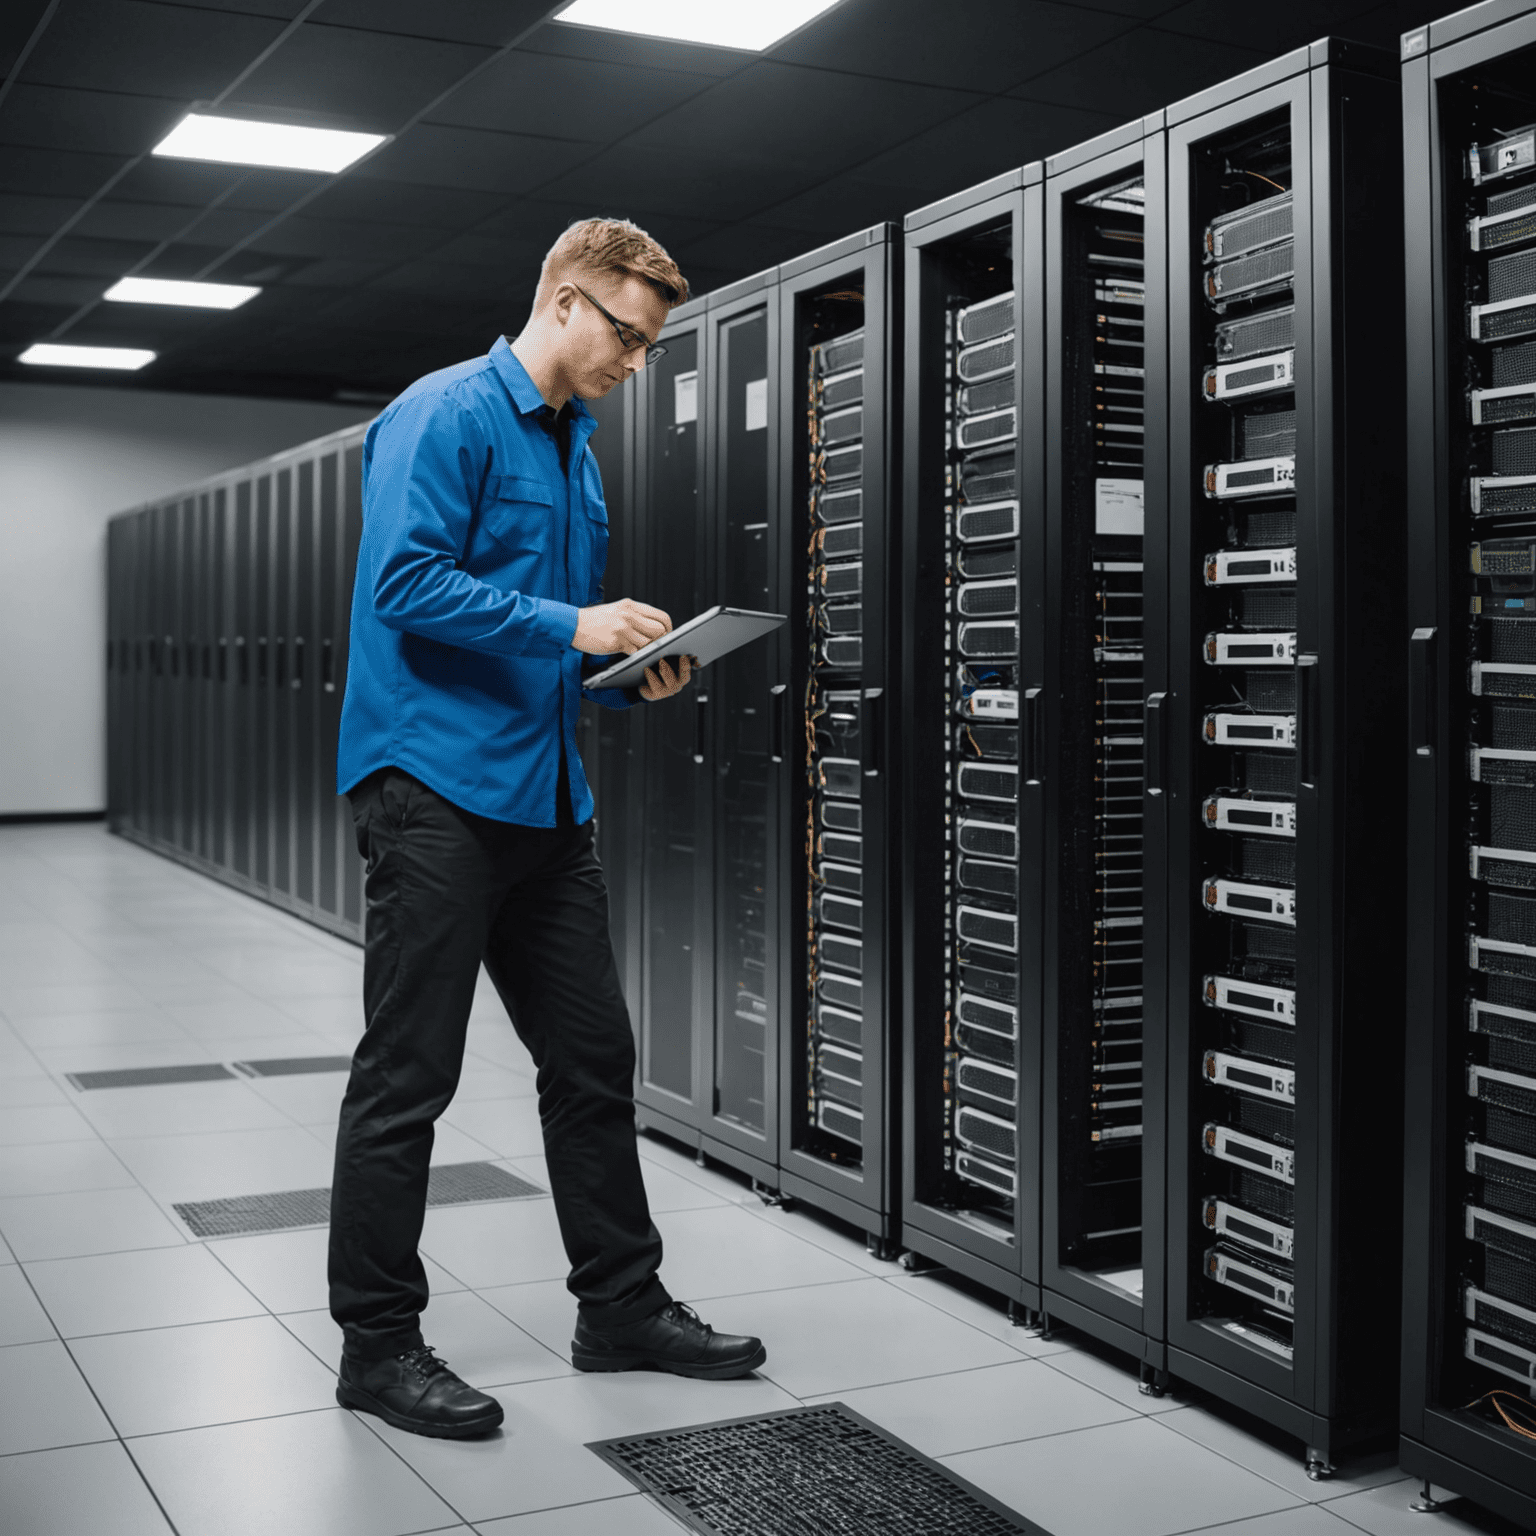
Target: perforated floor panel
{"x": 449, "y": 1184}
{"x": 823, "y": 1471}
{"x": 294, "y": 1066}
{"x": 150, "y": 1077}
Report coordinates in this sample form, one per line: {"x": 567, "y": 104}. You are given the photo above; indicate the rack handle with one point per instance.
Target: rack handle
{"x": 870, "y": 730}
{"x": 1306, "y": 719}
{"x": 1029, "y": 733}
{"x": 1421, "y": 691}
{"x": 1152, "y": 743}
{"x": 777, "y": 729}
{"x": 700, "y": 704}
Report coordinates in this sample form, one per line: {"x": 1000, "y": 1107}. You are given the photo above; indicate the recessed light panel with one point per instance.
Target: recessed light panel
{"x": 749, "y": 24}
{"x": 241, "y": 141}
{"x": 54, "y": 354}
{"x": 160, "y": 290}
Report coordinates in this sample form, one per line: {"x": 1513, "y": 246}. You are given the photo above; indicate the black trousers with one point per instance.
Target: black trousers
{"x": 447, "y": 889}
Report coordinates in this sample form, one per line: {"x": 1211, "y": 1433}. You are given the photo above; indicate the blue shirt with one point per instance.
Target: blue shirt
{"x": 477, "y": 550}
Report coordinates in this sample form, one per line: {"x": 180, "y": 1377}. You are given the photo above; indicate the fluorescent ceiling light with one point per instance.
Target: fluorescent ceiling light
{"x": 239, "y": 141}
{"x": 751, "y": 24}
{"x": 162, "y": 290}
{"x": 55, "y": 354}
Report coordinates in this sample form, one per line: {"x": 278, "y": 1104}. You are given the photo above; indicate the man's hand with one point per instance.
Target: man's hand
{"x": 617, "y": 629}
{"x": 664, "y": 685}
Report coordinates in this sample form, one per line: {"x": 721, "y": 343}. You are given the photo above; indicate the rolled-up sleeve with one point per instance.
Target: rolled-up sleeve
{"x": 424, "y": 481}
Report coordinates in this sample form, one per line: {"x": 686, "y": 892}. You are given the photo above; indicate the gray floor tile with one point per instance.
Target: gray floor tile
{"x": 219, "y": 1166}
{"x": 1276, "y": 1457}
{"x": 249, "y": 1017}
{"x": 311, "y": 1474}
{"x": 725, "y": 1183}
{"x": 510, "y": 1127}
{"x": 1384, "y": 1511}
{"x": 1304, "y": 1520}
{"x": 938, "y": 1288}
{"x": 485, "y": 1080}
{"x": 634, "y": 1516}
{"x": 61, "y": 1168}
{"x": 543, "y": 1308}
{"x": 83, "y": 1489}
{"x": 482, "y": 1345}
{"x": 29, "y": 1124}
{"x": 149, "y": 1288}
{"x": 969, "y": 1410}
{"x": 204, "y": 1373}
{"x": 1117, "y": 1376}
{"x": 182, "y": 1109}
{"x": 1145, "y": 1481}
{"x": 22, "y": 1319}
{"x": 62, "y": 1059}
{"x": 308, "y": 1099}
{"x": 498, "y": 1244}
{"x": 726, "y": 1251}
{"x": 31, "y": 1089}
{"x": 46, "y": 1402}
{"x": 834, "y": 1338}
{"x": 342, "y": 1016}
{"x": 88, "y": 1221}
{"x": 528, "y": 1465}
{"x": 285, "y": 1271}
{"x": 123, "y": 1026}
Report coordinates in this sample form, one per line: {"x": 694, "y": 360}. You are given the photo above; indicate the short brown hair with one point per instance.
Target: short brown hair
{"x": 592, "y": 246}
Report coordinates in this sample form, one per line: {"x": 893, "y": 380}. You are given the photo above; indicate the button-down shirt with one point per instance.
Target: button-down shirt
{"x": 477, "y": 550}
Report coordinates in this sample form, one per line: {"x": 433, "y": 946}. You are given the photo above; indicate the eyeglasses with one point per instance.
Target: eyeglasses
{"x": 629, "y": 337}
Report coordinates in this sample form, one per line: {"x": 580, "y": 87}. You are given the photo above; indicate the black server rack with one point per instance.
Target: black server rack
{"x": 1102, "y": 1068}
{"x": 831, "y": 727}
{"x": 711, "y": 798}
{"x": 1469, "y": 1296}
{"x": 228, "y": 612}
{"x": 1275, "y": 747}
{"x": 973, "y": 601}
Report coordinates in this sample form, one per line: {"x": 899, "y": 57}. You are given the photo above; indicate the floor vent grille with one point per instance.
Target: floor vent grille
{"x": 824, "y": 1469}
{"x": 150, "y": 1077}
{"x": 294, "y": 1066}
{"x": 448, "y": 1184}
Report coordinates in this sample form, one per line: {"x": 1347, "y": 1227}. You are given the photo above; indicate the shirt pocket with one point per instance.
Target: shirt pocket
{"x": 516, "y": 512}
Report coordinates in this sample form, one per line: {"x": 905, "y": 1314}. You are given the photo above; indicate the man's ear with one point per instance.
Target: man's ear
{"x": 564, "y": 302}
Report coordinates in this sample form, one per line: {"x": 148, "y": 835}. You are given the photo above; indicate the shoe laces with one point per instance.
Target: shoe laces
{"x": 423, "y": 1363}
{"x": 687, "y": 1318}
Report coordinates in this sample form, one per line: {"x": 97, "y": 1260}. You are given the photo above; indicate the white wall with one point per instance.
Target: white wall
{"x": 69, "y": 458}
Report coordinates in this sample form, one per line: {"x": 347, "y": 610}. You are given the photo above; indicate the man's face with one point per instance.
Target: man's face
{"x": 594, "y": 357}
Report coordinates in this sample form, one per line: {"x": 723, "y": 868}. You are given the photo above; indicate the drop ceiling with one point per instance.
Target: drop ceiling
{"x": 506, "y": 126}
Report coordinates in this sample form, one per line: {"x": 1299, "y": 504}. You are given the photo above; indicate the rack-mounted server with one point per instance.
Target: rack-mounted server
{"x": 1271, "y": 744}
{"x": 1469, "y": 1298}
{"x": 761, "y": 952}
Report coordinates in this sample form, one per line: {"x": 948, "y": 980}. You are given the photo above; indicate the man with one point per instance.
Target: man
{"x": 477, "y": 609}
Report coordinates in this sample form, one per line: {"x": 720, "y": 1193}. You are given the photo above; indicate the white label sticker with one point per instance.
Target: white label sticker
{"x": 685, "y": 397}
{"x": 757, "y": 405}
{"x": 1117, "y": 507}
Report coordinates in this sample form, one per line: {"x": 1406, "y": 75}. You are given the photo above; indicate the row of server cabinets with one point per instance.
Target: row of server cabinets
{"x": 1469, "y": 1364}
{"x": 227, "y": 617}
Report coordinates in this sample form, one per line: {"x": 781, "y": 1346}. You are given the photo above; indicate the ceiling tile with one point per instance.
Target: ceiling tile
{"x": 558, "y": 37}
{"x": 1001, "y": 42}
{"x": 335, "y": 273}
{"x": 1275, "y": 29}
{"x": 583, "y": 99}
{"x": 110, "y": 220}
{"x": 192, "y": 183}
{"x": 18, "y": 20}
{"x": 502, "y": 164}
{"x": 147, "y": 49}
{"x": 493, "y": 22}
{"x": 378, "y": 200}
{"x": 371, "y": 80}
{"x": 287, "y": 9}
{"x": 76, "y": 256}
{"x": 23, "y": 322}
{"x": 47, "y": 117}
{"x": 1140, "y": 72}
{"x": 71, "y": 292}
{"x": 22, "y": 215}
{"x": 56, "y": 172}
{"x": 301, "y": 236}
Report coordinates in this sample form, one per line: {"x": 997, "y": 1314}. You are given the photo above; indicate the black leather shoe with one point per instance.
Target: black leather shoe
{"x": 673, "y": 1339}
{"x": 417, "y": 1391}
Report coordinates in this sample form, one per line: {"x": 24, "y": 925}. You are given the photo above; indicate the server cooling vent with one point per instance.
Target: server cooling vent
{"x": 1266, "y": 434}
{"x": 1512, "y": 640}
{"x": 1262, "y": 608}
{"x": 1270, "y": 1042}
{"x": 1246, "y": 229}
{"x": 1269, "y": 529}
{"x": 1514, "y": 365}
{"x": 990, "y": 477}
{"x": 981, "y": 322}
{"x": 1507, "y": 202}
{"x": 995, "y": 395}
{"x": 1263, "y": 269}
{"x": 845, "y": 389}
{"x": 1263, "y": 941}
{"x": 1514, "y": 729}
{"x": 1511, "y": 277}
{"x": 1270, "y": 330}
{"x": 1510, "y": 1278}
{"x": 1514, "y": 451}
{"x": 1269, "y": 773}
{"x": 1266, "y": 1197}
{"x": 840, "y": 354}
{"x": 1268, "y": 860}
{"x": 1270, "y": 692}
{"x": 991, "y": 359}
{"x": 1507, "y": 1128}
{"x": 1274, "y": 1122}
{"x": 1511, "y": 818}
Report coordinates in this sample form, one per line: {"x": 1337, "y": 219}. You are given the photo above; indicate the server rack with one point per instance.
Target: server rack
{"x": 1104, "y": 515}
{"x": 705, "y": 478}
{"x": 832, "y": 728}
{"x": 227, "y": 617}
{"x": 973, "y": 600}
{"x": 1275, "y": 746}
{"x": 1469, "y": 1294}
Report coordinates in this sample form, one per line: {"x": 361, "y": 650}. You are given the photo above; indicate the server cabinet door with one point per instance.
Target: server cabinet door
{"x": 1469, "y": 1325}
{"x": 162, "y": 645}
{"x": 301, "y": 686}
{"x": 832, "y": 724}
{"x": 1101, "y": 1218}
{"x": 676, "y": 918}
{"x": 741, "y": 1044}
{"x": 242, "y": 692}
{"x": 116, "y": 673}
{"x": 262, "y": 791}
{"x": 1285, "y": 956}
{"x": 222, "y": 616}
{"x": 281, "y": 716}
{"x": 205, "y": 593}
{"x": 974, "y": 549}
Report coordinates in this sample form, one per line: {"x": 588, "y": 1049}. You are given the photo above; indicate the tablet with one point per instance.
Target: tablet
{"x": 714, "y": 633}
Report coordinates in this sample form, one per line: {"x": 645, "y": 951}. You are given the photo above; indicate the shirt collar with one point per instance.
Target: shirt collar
{"x": 524, "y": 392}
